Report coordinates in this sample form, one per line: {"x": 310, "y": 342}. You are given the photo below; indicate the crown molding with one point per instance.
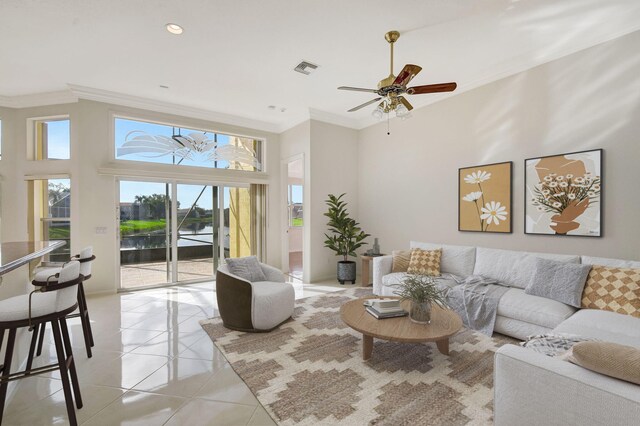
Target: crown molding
{"x": 328, "y": 117}
{"x": 38, "y": 99}
{"x": 122, "y": 99}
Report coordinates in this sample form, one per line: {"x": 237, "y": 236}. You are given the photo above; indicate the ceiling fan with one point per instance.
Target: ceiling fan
{"x": 391, "y": 89}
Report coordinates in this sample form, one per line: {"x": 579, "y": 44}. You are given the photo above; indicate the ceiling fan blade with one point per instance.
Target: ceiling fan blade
{"x": 364, "y": 105}
{"x": 405, "y": 103}
{"x": 432, "y": 88}
{"x": 357, "y": 89}
{"x": 406, "y": 75}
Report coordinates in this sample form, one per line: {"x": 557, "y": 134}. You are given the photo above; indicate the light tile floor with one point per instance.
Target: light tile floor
{"x": 152, "y": 365}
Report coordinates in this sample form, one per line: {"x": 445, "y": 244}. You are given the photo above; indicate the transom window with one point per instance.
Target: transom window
{"x": 51, "y": 139}
{"x": 158, "y": 143}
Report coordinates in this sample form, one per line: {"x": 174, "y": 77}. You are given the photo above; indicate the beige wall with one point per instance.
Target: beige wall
{"x": 331, "y": 163}
{"x": 408, "y": 181}
{"x": 94, "y": 194}
{"x": 334, "y": 170}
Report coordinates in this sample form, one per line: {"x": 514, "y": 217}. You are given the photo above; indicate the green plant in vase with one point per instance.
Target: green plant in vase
{"x": 345, "y": 237}
{"x": 423, "y": 292}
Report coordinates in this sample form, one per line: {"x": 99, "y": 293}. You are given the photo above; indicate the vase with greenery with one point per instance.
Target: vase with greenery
{"x": 344, "y": 237}
{"x": 423, "y": 292}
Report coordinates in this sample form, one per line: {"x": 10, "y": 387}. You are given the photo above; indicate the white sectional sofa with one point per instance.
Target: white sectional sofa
{"x": 519, "y": 314}
{"x": 532, "y": 388}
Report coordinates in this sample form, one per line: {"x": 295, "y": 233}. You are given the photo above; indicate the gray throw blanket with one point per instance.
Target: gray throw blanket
{"x": 476, "y": 299}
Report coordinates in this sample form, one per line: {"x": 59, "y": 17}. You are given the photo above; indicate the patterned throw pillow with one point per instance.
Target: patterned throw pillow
{"x": 401, "y": 259}
{"x": 425, "y": 262}
{"x": 613, "y": 289}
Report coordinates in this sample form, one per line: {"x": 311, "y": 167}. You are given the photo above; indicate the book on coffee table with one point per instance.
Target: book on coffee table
{"x": 388, "y": 313}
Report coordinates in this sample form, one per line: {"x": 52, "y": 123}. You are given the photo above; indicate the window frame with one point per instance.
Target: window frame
{"x": 182, "y": 124}
{"x": 32, "y": 148}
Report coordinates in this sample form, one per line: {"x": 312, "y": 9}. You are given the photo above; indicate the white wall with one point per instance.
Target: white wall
{"x": 408, "y": 181}
{"x": 334, "y": 170}
{"x": 94, "y": 195}
{"x": 331, "y": 163}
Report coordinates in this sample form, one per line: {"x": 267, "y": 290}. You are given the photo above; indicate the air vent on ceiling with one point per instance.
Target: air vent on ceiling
{"x": 305, "y": 67}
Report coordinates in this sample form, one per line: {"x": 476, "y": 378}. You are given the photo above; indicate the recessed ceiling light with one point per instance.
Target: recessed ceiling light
{"x": 174, "y": 28}
{"x": 164, "y": 87}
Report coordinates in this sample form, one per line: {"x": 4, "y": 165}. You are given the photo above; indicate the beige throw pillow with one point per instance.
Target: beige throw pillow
{"x": 613, "y": 360}
{"x": 401, "y": 260}
{"x": 613, "y": 289}
{"x": 425, "y": 262}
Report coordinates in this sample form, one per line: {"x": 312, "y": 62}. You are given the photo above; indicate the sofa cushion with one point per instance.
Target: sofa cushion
{"x": 393, "y": 278}
{"x": 610, "y": 359}
{"x": 396, "y": 278}
{"x": 603, "y": 261}
{"x": 518, "y": 329}
{"x": 425, "y": 262}
{"x": 547, "y": 313}
{"x": 603, "y": 325}
{"x": 613, "y": 289}
{"x": 560, "y": 281}
{"x": 512, "y": 268}
{"x": 456, "y": 260}
{"x": 271, "y": 303}
{"x": 247, "y": 268}
{"x": 401, "y": 259}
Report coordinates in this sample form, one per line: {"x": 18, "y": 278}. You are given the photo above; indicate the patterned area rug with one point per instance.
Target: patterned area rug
{"x": 310, "y": 371}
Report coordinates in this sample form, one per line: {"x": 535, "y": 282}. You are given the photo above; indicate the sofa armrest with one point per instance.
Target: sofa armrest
{"x": 272, "y": 274}
{"x": 533, "y": 389}
{"x": 381, "y": 266}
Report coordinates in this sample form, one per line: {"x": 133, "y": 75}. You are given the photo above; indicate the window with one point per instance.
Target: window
{"x": 159, "y": 143}
{"x": 51, "y": 139}
{"x": 50, "y": 218}
{"x": 295, "y": 205}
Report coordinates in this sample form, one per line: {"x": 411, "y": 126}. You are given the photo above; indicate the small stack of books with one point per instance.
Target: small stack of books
{"x": 384, "y": 308}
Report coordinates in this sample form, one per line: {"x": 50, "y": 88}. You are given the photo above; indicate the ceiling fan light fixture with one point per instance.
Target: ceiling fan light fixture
{"x": 402, "y": 111}
{"x": 378, "y": 113}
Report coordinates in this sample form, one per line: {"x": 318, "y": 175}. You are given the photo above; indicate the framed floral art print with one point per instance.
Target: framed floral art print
{"x": 484, "y": 198}
{"x": 563, "y": 194}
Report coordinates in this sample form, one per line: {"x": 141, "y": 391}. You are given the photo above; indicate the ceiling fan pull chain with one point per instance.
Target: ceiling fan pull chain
{"x": 388, "y": 132}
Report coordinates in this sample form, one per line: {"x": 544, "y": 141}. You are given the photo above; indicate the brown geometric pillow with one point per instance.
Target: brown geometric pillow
{"x": 401, "y": 260}
{"x": 613, "y": 289}
{"x": 425, "y": 262}
{"x": 610, "y": 359}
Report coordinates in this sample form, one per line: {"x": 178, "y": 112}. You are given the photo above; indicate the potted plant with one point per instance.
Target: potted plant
{"x": 422, "y": 291}
{"x": 346, "y": 237}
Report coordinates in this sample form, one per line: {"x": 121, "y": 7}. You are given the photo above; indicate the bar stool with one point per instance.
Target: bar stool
{"x": 49, "y": 275}
{"x": 52, "y": 304}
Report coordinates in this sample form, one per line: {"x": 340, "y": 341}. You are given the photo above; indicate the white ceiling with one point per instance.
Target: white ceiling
{"x": 235, "y": 58}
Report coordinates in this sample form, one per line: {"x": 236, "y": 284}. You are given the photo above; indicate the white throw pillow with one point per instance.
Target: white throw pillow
{"x": 560, "y": 281}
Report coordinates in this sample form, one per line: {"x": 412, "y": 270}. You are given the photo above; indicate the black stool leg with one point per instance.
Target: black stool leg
{"x": 72, "y": 363}
{"x": 6, "y": 369}
{"x": 86, "y": 313}
{"x": 64, "y": 373}
{"x": 32, "y": 347}
{"x": 41, "y": 337}
{"x": 85, "y": 323}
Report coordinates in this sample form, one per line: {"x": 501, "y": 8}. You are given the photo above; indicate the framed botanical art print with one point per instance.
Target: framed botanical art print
{"x": 563, "y": 194}
{"x": 484, "y": 198}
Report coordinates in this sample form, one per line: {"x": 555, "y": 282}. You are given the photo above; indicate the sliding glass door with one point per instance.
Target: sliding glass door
{"x": 198, "y": 227}
{"x": 145, "y": 234}
{"x": 172, "y": 232}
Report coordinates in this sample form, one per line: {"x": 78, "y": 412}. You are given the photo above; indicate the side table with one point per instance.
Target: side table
{"x": 366, "y": 261}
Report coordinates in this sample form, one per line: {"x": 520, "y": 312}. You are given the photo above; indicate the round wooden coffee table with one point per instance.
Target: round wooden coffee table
{"x": 444, "y": 324}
